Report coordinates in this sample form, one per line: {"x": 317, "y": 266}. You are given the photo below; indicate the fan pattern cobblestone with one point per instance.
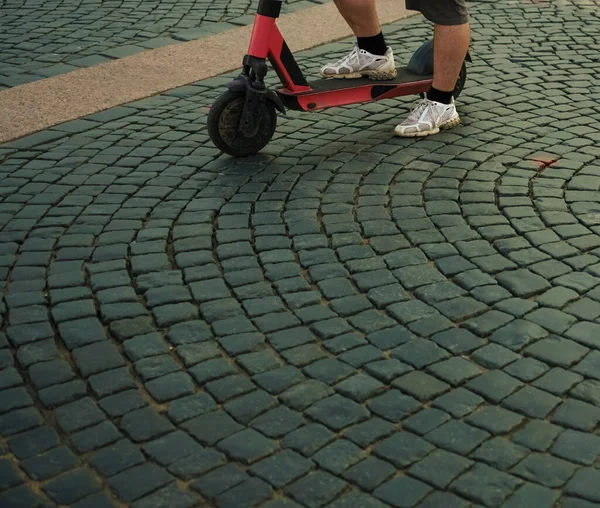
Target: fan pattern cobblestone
{"x": 346, "y": 320}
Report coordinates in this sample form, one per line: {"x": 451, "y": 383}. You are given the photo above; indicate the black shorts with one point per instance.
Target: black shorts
{"x": 441, "y": 12}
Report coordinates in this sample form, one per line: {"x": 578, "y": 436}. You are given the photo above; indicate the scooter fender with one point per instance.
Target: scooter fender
{"x": 243, "y": 84}
{"x": 421, "y": 63}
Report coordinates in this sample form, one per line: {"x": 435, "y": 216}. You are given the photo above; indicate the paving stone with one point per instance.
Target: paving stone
{"x": 455, "y": 370}
{"x": 10, "y": 474}
{"x": 170, "y": 386}
{"x": 49, "y": 464}
{"x": 457, "y": 437}
{"x": 95, "y": 437}
{"x": 369, "y": 473}
{"x": 278, "y": 422}
{"x": 212, "y": 427}
{"x": 532, "y": 493}
{"x": 412, "y": 491}
{"x": 587, "y": 391}
{"x": 531, "y": 402}
{"x": 393, "y": 406}
{"x": 20, "y": 496}
{"x": 188, "y": 332}
{"x": 72, "y": 486}
{"x": 522, "y": 282}
{"x": 494, "y": 385}
{"x": 585, "y": 484}
{"x": 49, "y": 373}
{"x": 139, "y": 481}
{"x": 247, "y": 446}
{"x": 485, "y": 324}
{"x": 169, "y": 496}
{"x": 495, "y": 420}
{"x": 116, "y": 458}
{"x": 558, "y": 381}
{"x": 458, "y": 402}
{"x": 426, "y": 420}
{"x": 494, "y": 356}
{"x": 197, "y": 464}
{"x": 97, "y": 357}
{"x": 337, "y": 412}
{"x": 554, "y": 320}
{"x": 440, "y": 468}
{"x": 81, "y": 332}
{"x": 78, "y": 414}
{"x": 366, "y": 433}
{"x": 577, "y": 447}
{"x": 518, "y": 334}
{"x": 316, "y": 489}
{"x": 387, "y": 370}
{"x": 403, "y": 449}
{"x": 419, "y": 353}
{"x": 144, "y": 424}
{"x": 557, "y": 351}
{"x": 282, "y": 468}
{"x": 576, "y": 414}
{"x": 421, "y": 385}
{"x": 354, "y": 498}
{"x": 20, "y": 420}
{"x": 219, "y": 480}
{"x": 359, "y": 387}
{"x": 249, "y": 493}
{"x": 128, "y": 328}
{"x": 458, "y": 340}
{"x": 545, "y": 469}
{"x": 485, "y": 485}
{"x": 500, "y": 453}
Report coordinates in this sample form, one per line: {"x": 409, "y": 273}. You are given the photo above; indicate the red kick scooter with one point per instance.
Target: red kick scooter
{"x": 242, "y": 120}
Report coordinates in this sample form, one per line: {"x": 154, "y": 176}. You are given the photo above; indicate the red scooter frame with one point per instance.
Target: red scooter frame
{"x": 267, "y": 42}
{"x": 234, "y": 122}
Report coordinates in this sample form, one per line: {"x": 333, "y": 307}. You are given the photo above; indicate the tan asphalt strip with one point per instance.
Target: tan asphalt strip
{"x": 35, "y": 106}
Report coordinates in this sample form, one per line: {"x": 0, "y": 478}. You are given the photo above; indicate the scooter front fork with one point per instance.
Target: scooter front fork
{"x": 254, "y": 70}
{"x": 251, "y": 81}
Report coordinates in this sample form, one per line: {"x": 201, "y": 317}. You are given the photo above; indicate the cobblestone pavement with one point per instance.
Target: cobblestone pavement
{"x": 347, "y": 320}
{"x": 39, "y": 40}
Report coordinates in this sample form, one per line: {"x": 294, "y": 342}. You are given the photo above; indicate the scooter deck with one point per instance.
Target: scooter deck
{"x": 333, "y": 92}
{"x": 329, "y": 84}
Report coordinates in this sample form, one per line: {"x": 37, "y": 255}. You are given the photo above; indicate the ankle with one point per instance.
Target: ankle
{"x": 375, "y": 45}
{"x": 439, "y": 96}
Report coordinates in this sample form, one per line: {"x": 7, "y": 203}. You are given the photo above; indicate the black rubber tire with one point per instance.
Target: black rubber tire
{"x": 223, "y": 120}
{"x": 460, "y": 82}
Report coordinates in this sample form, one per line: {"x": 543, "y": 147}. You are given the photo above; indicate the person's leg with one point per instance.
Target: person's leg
{"x": 371, "y": 57}
{"x": 361, "y": 16}
{"x": 451, "y": 41}
{"x": 450, "y": 46}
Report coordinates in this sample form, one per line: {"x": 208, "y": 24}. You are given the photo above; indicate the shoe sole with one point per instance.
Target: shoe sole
{"x": 374, "y": 75}
{"x": 454, "y": 122}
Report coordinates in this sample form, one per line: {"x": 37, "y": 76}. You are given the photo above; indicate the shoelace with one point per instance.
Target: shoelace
{"x": 417, "y": 111}
{"x": 348, "y": 58}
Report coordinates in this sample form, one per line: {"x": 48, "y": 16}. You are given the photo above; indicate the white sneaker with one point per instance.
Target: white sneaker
{"x": 428, "y": 117}
{"x": 360, "y": 63}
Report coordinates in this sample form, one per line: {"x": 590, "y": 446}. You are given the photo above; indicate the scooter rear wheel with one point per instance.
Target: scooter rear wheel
{"x": 224, "y": 118}
{"x": 460, "y": 82}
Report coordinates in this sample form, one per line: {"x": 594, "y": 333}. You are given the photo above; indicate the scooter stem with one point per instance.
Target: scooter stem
{"x": 264, "y": 21}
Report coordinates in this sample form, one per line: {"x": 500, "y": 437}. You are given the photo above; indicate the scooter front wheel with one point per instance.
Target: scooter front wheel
{"x": 223, "y": 121}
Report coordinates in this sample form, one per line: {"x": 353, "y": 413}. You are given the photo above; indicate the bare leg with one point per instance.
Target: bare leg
{"x": 361, "y": 15}
{"x": 450, "y": 46}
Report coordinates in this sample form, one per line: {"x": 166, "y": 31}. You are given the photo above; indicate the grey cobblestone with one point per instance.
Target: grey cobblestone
{"x": 377, "y": 315}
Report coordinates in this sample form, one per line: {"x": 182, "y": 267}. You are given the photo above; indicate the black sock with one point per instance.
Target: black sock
{"x": 375, "y": 45}
{"x": 438, "y": 96}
